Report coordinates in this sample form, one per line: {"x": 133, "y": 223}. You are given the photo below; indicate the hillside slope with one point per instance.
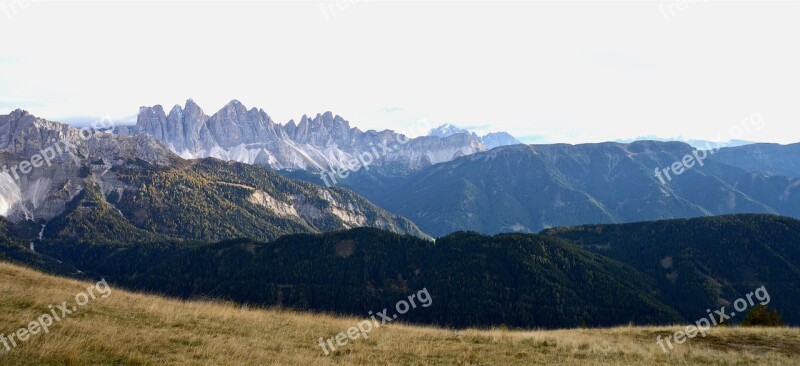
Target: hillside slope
{"x": 517, "y": 280}
{"x": 640, "y": 273}
{"x": 212, "y": 200}
{"x": 527, "y": 188}
{"x": 767, "y": 159}
{"x": 135, "y": 329}
{"x": 706, "y": 261}
{"x": 113, "y": 188}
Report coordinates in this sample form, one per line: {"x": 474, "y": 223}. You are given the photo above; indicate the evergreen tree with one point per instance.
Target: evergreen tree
{"x": 760, "y": 316}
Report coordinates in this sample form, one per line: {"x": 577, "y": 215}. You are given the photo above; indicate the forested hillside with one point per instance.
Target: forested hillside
{"x": 514, "y": 279}
{"x": 644, "y": 273}
{"x": 706, "y": 262}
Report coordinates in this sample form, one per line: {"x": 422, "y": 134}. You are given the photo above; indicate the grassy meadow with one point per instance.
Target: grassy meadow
{"x": 137, "y": 329}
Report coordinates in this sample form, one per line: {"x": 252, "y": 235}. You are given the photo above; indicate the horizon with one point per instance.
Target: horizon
{"x": 81, "y": 122}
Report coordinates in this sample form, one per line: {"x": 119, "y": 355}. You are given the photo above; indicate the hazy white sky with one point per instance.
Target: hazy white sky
{"x": 544, "y": 71}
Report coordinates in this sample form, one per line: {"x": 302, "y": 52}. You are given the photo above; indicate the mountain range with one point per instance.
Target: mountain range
{"x": 527, "y": 235}
{"x": 527, "y": 188}
{"x": 319, "y": 143}
{"x": 696, "y": 143}
{"x": 443, "y": 182}
{"x": 103, "y": 183}
{"x": 767, "y": 159}
{"x": 453, "y": 179}
{"x": 490, "y": 140}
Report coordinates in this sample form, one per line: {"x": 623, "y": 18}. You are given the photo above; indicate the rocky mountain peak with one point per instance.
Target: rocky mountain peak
{"x": 490, "y": 141}
{"x": 251, "y": 136}
{"x": 497, "y": 139}
{"x": 192, "y": 107}
{"x": 19, "y": 113}
{"x": 233, "y": 107}
{"x": 153, "y": 120}
{"x": 18, "y": 118}
{"x": 235, "y": 103}
{"x": 151, "y": 115}
{"x": 446, "y": 130}
{"x": 176, "y": 111}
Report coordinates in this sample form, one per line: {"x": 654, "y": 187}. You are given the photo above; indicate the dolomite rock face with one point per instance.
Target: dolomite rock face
{"x": 322, "y": 142}
{"x": 46, "y": 164}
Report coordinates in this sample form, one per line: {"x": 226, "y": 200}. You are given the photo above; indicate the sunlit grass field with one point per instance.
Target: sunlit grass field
{"x": 136, "y": 329}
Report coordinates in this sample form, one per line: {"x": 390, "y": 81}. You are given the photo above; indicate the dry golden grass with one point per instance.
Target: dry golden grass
{"x": 136, "y": 329}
